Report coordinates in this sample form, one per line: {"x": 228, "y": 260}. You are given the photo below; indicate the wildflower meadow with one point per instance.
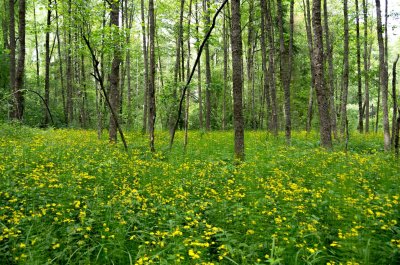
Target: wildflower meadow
{"x": 68, "y": 198}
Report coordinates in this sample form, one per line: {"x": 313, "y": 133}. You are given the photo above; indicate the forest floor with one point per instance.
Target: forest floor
{"x": 68, "y": 198}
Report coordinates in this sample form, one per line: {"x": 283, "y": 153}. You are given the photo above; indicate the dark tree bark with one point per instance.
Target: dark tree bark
{"x": 321, "y": 90}
{"x": 343, "y": 111}
{"x": 366, "y": 67}
{"x": 264, "y": 63}
{"x": 146, "y": 69}
{"x": 359, "y": 85}
{"x": 208, "y": 69}
{"x": 237, "y": 79}
{"x": 128, "y": 22}
{"x": 394, "y": 97}
{"x": 383, "y": 76}
{"x": 114, "y": 75}
{"x": 19, "y": 98}
{"x": 152, "y": 72}
{"x": 47, "y": 66}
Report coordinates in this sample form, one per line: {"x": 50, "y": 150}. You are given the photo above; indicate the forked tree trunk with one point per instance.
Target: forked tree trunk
{"x": 47, "y": 66}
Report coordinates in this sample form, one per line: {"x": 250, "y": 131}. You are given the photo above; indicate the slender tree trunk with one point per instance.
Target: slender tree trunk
{"x": 114, "y": 75}
{"x": 329, "y": 55}
{"x": 264, "y": 63}
{"x": 20, "y": 71}
{"x": 307, "y": 20}
{"x": 199, "y": 92}
{"x": 225, "y": 41}
{"x": 36, "y": 47}
{"x": 270, "y": 30}
{"x": 366, "y": 76}
{"x": 384, "y": 77}
{"x": 152, "y": 72}
{"x": 321, "y": 90}
{"x": 47, "y": 66}
{"x": 208, "y": 69}
{"x": 146, "y": 69}
{"x": 250, "y": 66}
{"x": 129, "y": 20}
{"x": 343, "y": 112}
{"x": 237, "y": 79}
{"x": 60, "y": 58}
{"x": 188, "y": 76}
{"x": 12, "y": 49}
{"x": 394, "y": 97}
{"x": 359, "y": 85}
{"x": 284, "y": 74}
{"x": 69, "y": 103}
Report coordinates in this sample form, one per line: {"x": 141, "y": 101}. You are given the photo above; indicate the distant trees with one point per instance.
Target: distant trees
{"x": 144, "y": 67}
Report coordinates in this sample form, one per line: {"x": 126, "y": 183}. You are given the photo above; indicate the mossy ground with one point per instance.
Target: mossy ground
{"x": 69, "y": 198}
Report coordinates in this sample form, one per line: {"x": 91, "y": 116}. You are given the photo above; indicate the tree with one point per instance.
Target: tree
{"x": 146, "y": 68}
{"x": 321, "y": 89}
{"x": 208, "y": 69}
{"x": 365, "y": 59}
{"x": 383, "y": 72}
{"x": 152, "y": 72}
{"x": 343, "y": 112}
{"x": 359, "y": 85}
{"x": 237, "y": 79}
{"x": 115, "y": 66}
{"x": 47, "y": 62}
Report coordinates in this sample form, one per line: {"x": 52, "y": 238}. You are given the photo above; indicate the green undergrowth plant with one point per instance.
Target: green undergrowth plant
{"x": 69, "y": 198}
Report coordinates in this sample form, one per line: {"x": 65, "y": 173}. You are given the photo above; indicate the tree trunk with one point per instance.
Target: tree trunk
{"x": 36, "y": 48}
{"x": 226, "y": 58}
{"x": 343, "y": 112}
{"x": 152, "y": 72}
{"x": 321, "y": 90}
{"x": 270, "y": 30}
{"x": 69, "y": 103}
{"x": 199, "y": 92}
{"x": 250, "y": 67}
{"x": 47, "y": 66}
{"x": 360, "y": 100}
{"x": 20, "y": 71}
{"x": 384, "y": 77}
{"x": 329, "y": 55}
{"x": 114, "y": 75}
{"x": 208, "y": 69}
{"x": 284, "y": 74}
{"x": 188, "y": 76}
{"x": 366, "y": 76}
{"x": 394, "y": 97}
{"x": 60, "y": 58}
{"x": 12, "y": 48}
{"x": 307, "y": 20}
{"x": 237, "y": 79}
{"x": 146, "y": 69}
{"x": 264, "y": 63}
{"x": 129, "y": 20}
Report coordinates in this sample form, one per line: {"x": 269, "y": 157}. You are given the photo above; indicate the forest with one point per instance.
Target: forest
{"x": 199, "y": 132}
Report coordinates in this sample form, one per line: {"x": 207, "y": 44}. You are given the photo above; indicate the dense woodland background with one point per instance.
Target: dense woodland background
{"x": 63, "y": 53}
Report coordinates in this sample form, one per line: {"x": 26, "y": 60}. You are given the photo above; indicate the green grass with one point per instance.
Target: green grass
{"x": 68, "y": 198}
